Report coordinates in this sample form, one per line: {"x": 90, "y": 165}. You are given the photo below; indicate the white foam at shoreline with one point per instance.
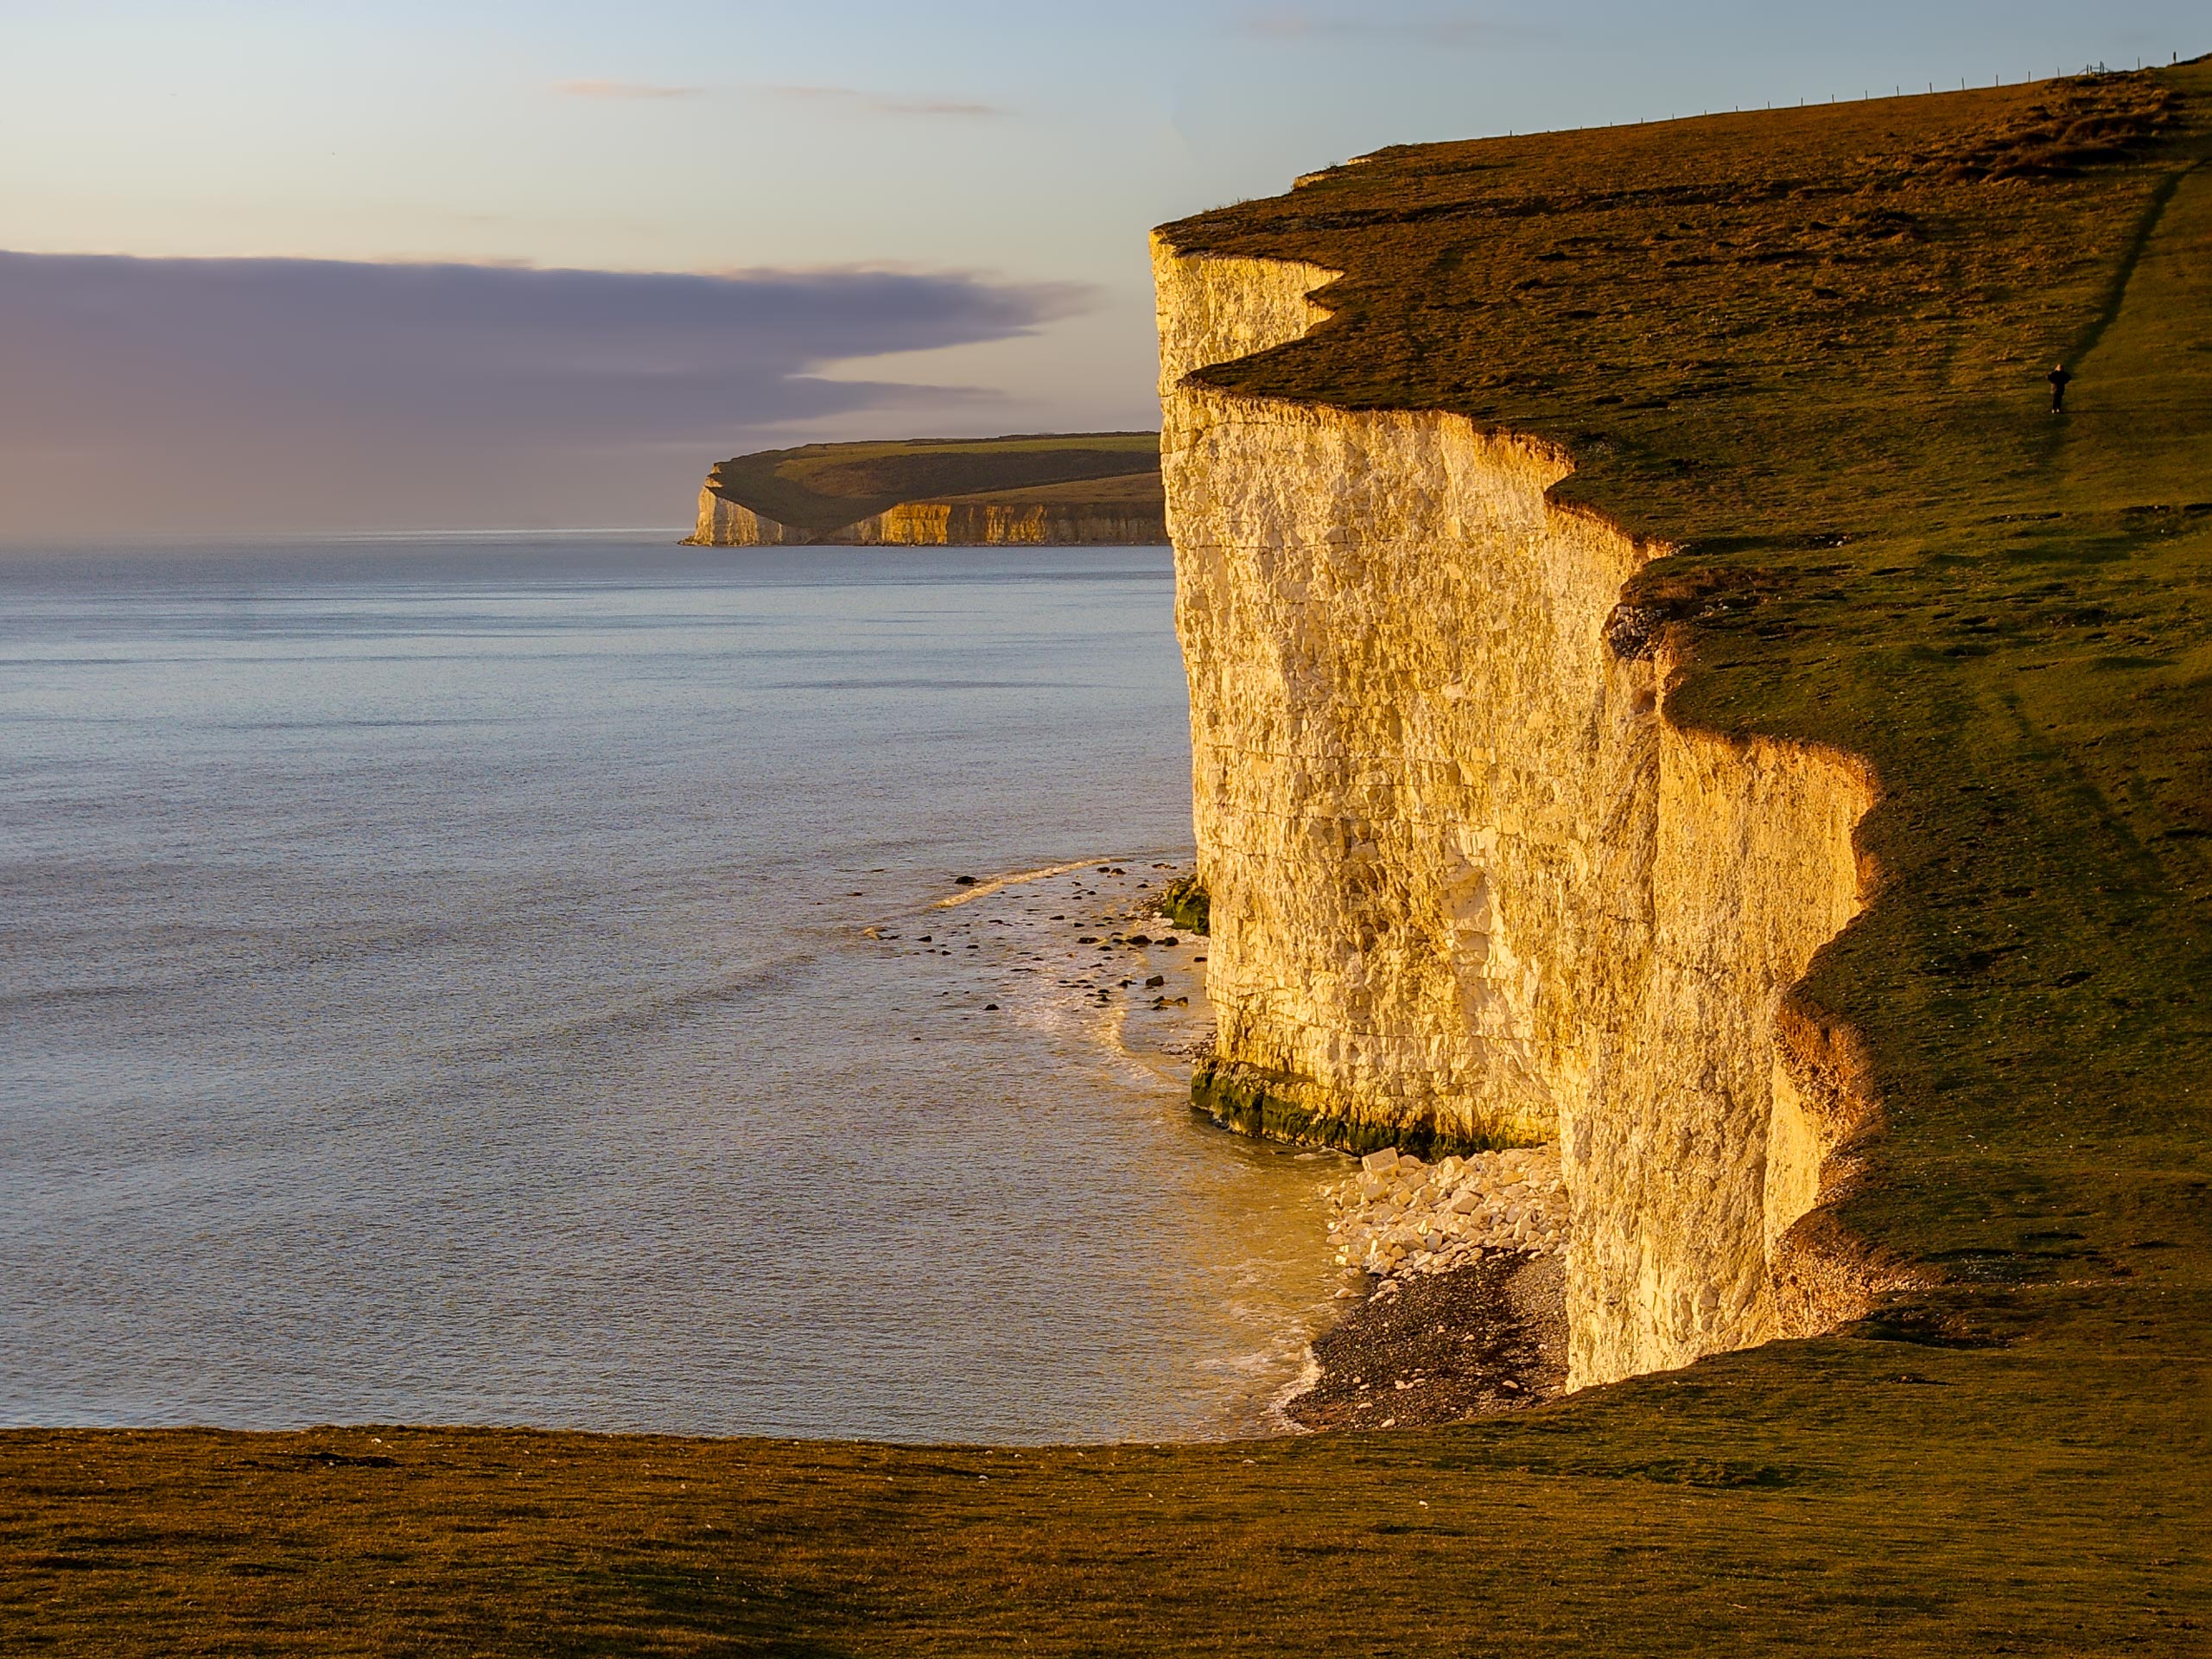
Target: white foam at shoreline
{"x": 1015, "y": 879}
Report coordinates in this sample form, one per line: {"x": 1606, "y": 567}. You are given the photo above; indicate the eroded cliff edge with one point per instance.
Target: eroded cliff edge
{"x": 1469, "y": 885}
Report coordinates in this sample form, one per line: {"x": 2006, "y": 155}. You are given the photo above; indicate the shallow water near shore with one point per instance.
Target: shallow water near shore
{"x": 482, "y": 982}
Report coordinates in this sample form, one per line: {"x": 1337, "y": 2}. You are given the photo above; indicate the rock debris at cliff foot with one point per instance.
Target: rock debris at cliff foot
{"x": 1397, "y": 1215}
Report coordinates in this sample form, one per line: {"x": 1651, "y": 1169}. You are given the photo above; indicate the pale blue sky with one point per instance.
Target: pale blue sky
{"x": 1026, "y": 147}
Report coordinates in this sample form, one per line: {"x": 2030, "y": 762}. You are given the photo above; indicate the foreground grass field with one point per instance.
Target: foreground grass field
{"x": 1844, "y": 1496}
{"x": 1809, "y": 347}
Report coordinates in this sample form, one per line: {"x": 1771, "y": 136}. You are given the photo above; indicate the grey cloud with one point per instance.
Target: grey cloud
{"x": 252, "y": 387}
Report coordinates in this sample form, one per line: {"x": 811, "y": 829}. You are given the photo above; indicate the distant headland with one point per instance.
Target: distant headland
{"x": 1050, "y": 489}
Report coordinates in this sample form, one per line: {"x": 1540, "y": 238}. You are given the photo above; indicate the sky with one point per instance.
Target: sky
{"x": 276, "y": 268}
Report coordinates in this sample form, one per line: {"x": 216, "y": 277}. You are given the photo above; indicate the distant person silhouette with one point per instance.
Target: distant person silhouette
{"x": 2058, "y": 377}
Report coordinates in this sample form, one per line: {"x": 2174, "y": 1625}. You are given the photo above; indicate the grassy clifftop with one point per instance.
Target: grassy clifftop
{"x": 821, "y": 487}
{"x": 1807, "y": 347}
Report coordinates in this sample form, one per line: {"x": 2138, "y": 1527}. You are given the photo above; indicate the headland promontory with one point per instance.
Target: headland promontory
{"x": 1052, "y": 490}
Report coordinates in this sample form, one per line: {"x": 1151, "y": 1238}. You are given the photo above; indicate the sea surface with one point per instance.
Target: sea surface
{"x": 480, "y": 981}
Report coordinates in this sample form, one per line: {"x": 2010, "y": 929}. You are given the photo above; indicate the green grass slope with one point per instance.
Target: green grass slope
{"x": 1131, "y": 491}
{"x": 825, "y": 486}
{"x": 1809, "y": 347}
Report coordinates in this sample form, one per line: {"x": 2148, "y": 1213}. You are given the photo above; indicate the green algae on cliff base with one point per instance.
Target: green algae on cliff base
{"x": 1186, "y": 904}
{"x": 1278, "y": 1106}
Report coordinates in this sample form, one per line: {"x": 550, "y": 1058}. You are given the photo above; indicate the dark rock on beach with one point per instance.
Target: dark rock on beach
{"x": 1437, "y": 1348}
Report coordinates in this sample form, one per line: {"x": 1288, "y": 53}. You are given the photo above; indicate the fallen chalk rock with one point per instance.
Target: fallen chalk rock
{"x": 1399, "y": 1215}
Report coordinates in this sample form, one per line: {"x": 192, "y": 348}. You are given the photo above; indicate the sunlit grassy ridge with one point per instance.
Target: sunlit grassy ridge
{"x": 826, "y": 486}
{"x": 1807, "y": 347}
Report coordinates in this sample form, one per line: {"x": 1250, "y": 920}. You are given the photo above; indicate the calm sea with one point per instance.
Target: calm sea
{"x": 439, "y": 987}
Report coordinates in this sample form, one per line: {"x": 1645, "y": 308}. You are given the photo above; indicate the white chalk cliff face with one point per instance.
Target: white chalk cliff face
{"x": 724, "y": 523}
{"x": 1469, "y": 886}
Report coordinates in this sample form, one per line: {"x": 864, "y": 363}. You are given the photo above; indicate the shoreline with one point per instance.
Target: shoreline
{"x": 1074, "y": 955}
{"x": 1463, "y": 1310}
{"x": 1460, "y": 1310}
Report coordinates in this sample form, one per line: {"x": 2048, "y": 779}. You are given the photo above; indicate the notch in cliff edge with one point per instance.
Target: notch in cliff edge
{"x": 1470, "y": 885}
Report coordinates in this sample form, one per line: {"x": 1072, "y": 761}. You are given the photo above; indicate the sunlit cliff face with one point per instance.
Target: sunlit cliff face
{"x": 1469, "y": 886}
{"x": 724, "y": 523}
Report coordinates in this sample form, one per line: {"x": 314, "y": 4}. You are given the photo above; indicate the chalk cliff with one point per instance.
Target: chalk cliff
{"x": 1035, "y": 489}
{"x": 725, "y": 523}
{"x": 1469, "y": 885}
{"x": 951, "y": 523}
